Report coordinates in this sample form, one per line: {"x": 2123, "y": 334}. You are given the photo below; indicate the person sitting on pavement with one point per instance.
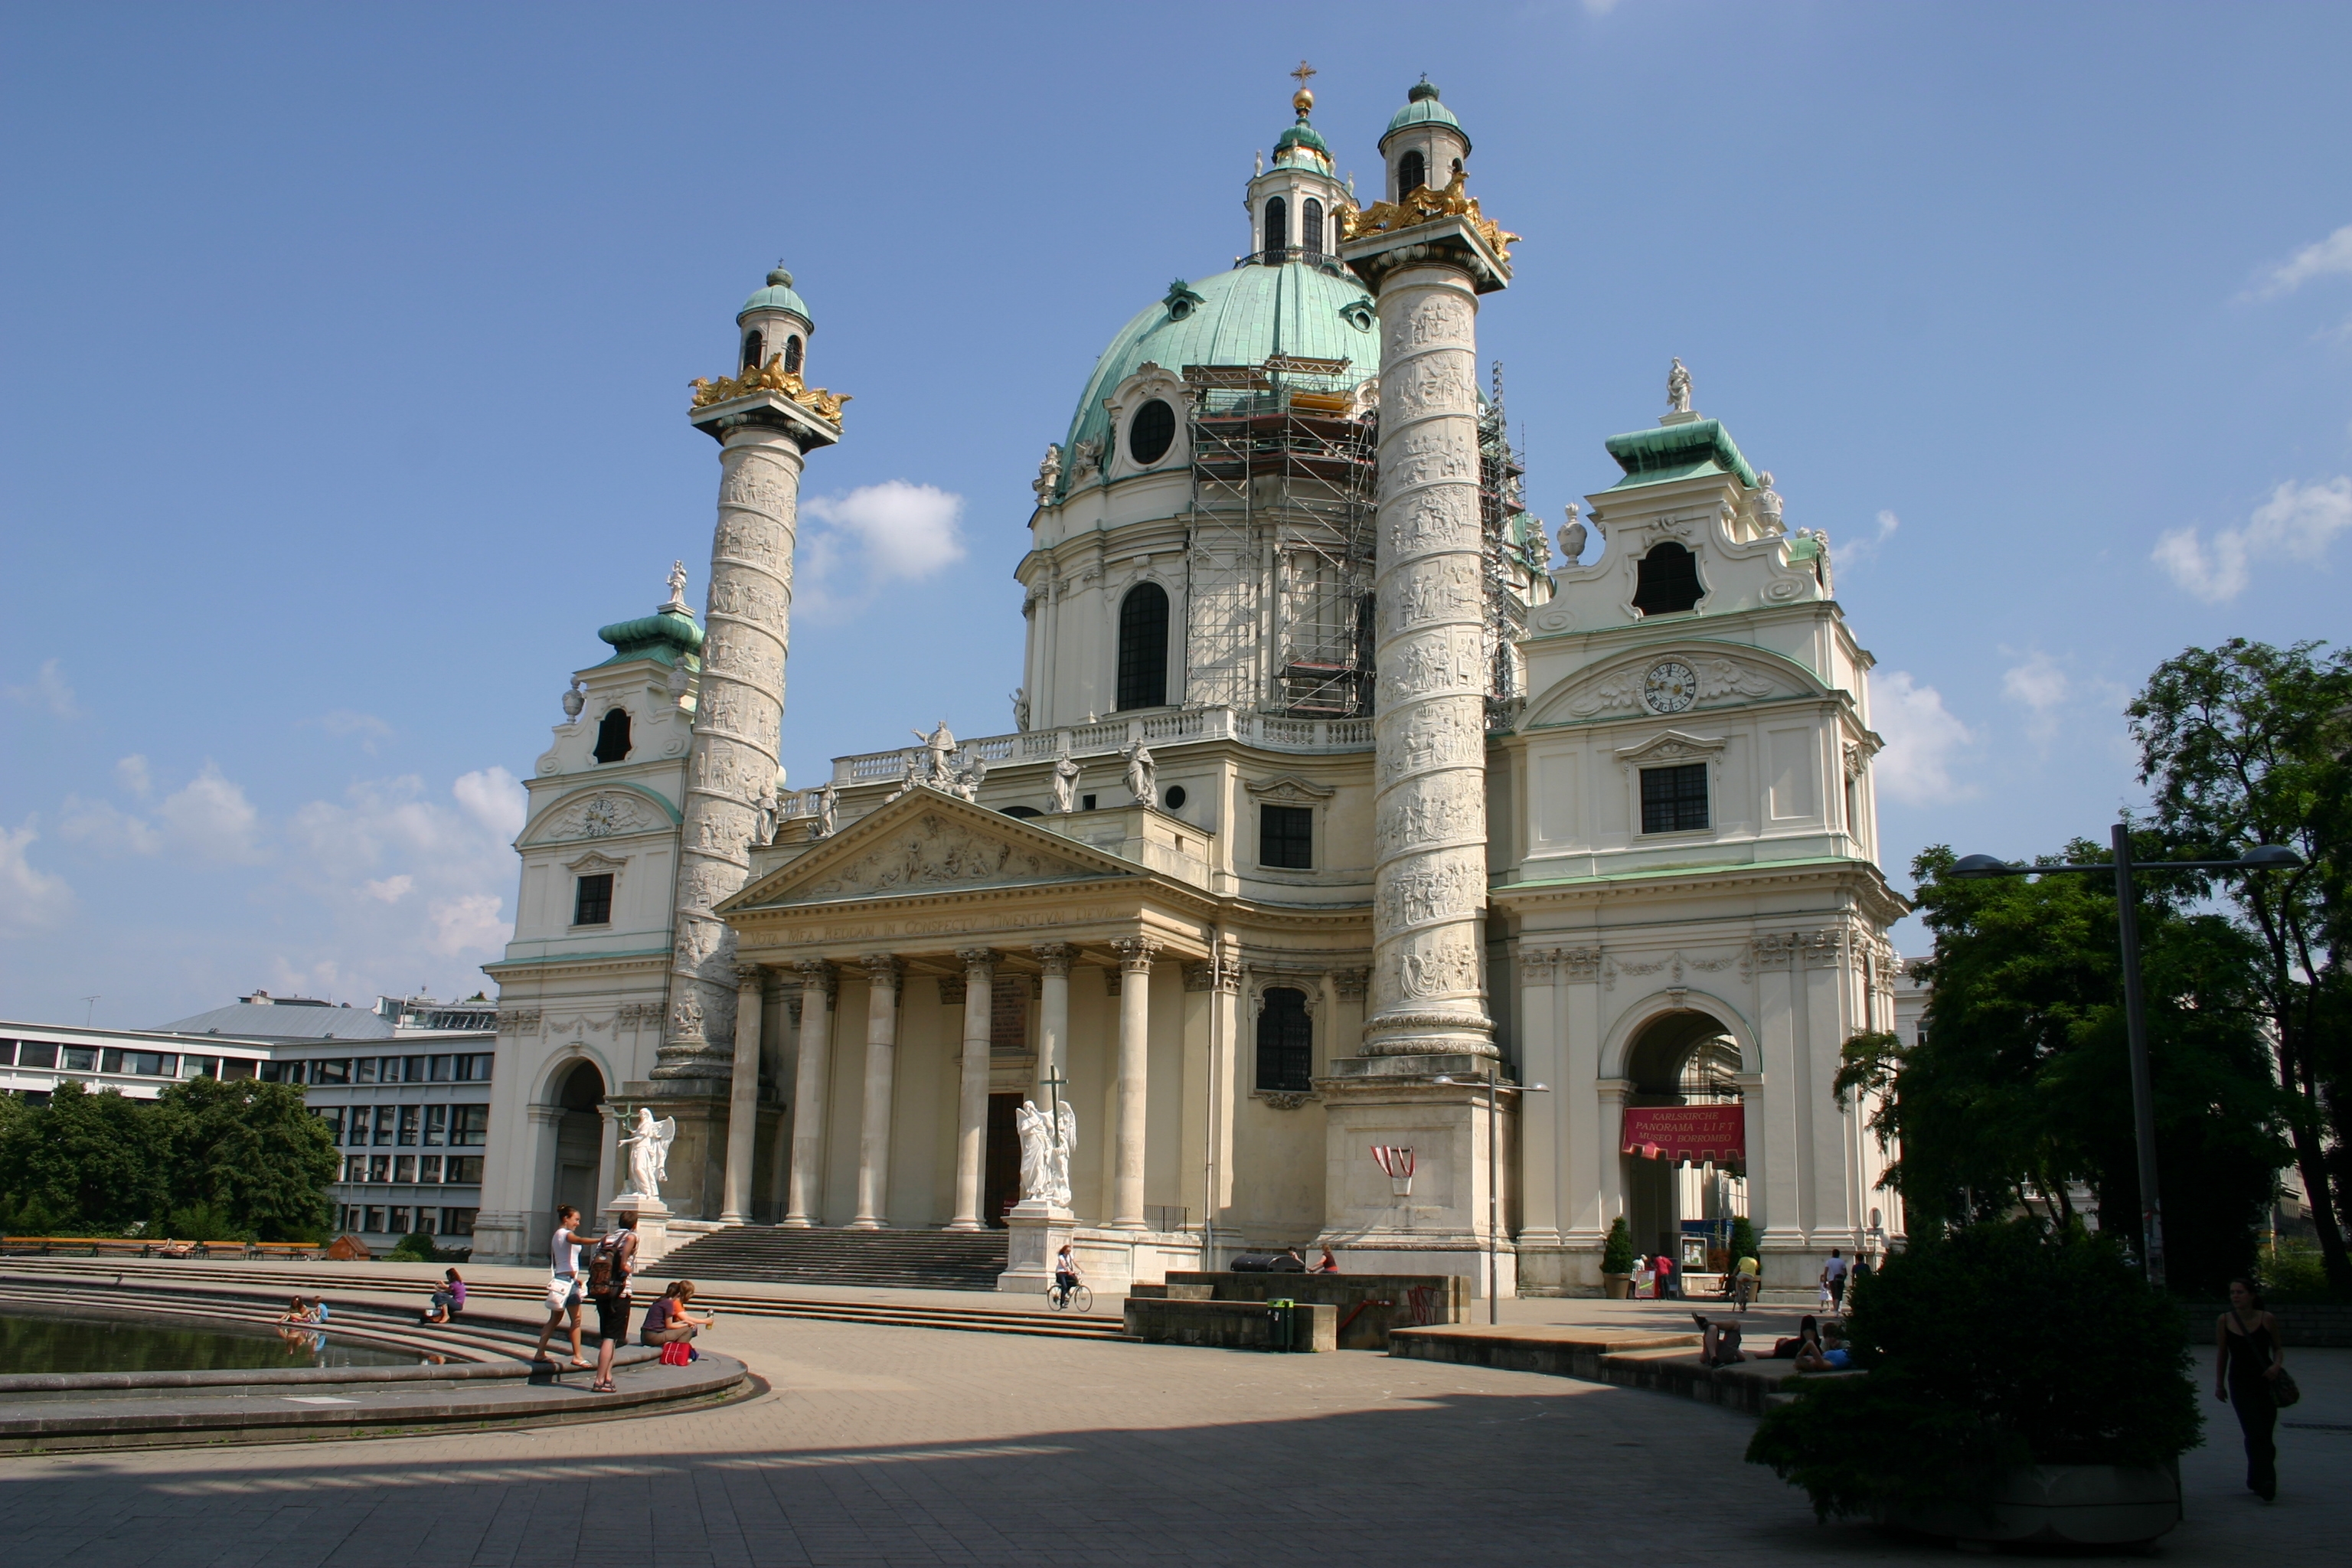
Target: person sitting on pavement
{"x": 297, "y": 1312}
{"x": 1825, "y": 1354}
{"x": 668, "y": 1323}
{"x": 1718, "y": 1342}
{"x": 449, "y": 1301}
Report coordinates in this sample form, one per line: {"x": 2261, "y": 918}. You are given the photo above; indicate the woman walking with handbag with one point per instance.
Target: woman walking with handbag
{"x": 2250, "y": 1372}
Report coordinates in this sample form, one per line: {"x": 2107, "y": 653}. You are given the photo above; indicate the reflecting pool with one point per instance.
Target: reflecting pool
{"x": 31, "y": 1344}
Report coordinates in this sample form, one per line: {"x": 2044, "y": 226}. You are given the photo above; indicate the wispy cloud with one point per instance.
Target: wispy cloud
{"x": 48, "y": 688}
{"x": 1856, "y": 551}
{"x": 876, "y": 534}
{"x": 29, "y": 898}
{"x": 1923, "y": 741}
{"x": 131, "y": 773}
{"x": 2040, "y": 687}
{"x": 2331, "y": 257}
{"x": 350, "y": 722}
{"x": 2298, "y": 523}
{"x": 208, "y": 819}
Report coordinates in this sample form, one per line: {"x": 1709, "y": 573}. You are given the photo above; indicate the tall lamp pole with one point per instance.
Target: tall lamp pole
{"x": 2261, "y": 857}
{"x": 1496, "y": 1090}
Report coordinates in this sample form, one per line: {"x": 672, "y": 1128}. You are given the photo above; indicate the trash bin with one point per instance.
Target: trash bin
{"x": 1282, "y": 1330}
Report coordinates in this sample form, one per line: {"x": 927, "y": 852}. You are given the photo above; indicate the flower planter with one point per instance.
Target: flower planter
{"x": 2075, "y": 1505}
{"x": 1617, "y": 1285}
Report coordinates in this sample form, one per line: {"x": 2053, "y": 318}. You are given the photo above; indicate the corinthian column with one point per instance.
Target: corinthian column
{"x": 1430, "y": 712}
{"x": 1135, "y": 955}
{"x": 744, "y": 1098}
{"x": 971, "y": 1114}
{"x": 737, "y": 710}
{"x": 812, "y": 1085}
{"x": 883, "y": 973}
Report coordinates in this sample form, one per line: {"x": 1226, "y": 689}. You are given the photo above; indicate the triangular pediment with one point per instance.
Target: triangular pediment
{"x": 926, "y": 842}
{"x": 1667, "y": 679}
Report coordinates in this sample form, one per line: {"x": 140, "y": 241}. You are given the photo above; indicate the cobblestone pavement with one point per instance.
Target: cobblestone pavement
{"x": 888, "y": 1446}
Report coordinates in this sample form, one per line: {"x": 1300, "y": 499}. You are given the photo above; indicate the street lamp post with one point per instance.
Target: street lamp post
{"x": 2261, "y": 857}
{"x": 1496, "y": 1090}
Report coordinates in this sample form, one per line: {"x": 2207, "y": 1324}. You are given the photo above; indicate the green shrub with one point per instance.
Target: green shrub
{"x": 1997, "y": 1345}
{"x": 2293, "y": 1270}
{"x": 1743, "y": 1242}
{"x": 417, "y": 1246}
{"x": 1617, "y": 1251}
{"x": 199, "y": 1222}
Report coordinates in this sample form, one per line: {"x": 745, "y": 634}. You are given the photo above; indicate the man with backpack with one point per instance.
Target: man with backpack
{"x": 610, "y": 1264}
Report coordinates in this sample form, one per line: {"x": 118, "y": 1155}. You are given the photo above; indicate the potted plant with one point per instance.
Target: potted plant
{"x": 1963, "y": 1425}
{"x": 1617, "y": 1260}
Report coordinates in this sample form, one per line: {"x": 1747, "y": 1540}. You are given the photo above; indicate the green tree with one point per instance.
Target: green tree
{"x": 84, "y": 1161}
{"x": 2021, "y": 1078}
{"x": 250, "y": 1151}
{"x": 2247, "y": 744}
{"x": 1617, "y": 1249}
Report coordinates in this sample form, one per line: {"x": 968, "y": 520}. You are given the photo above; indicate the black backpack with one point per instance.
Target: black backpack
{"x": 607, "y": 1272}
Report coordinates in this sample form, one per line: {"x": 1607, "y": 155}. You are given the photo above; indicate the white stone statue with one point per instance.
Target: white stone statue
{"x": 1678, "y": 389}
{"x": 764, "y": 818}
{"x": 676, "y": 586}
{"x": 939, "y": 746}
{"x": 574, "y": 700}
{"x": 686, "y": 1018}
{"x": 828, "y": 803}
{"x": 1573, "y": 536}
{"x": 648, "y": 1152}
{"x": 1768, "y": 506}
{"x": 1046, "y": 1146}
{"x": 1089, "y": 454}
{"x": 1049, "y": 473}
{"x": 1065, "y": 785}
{"x": 1021, "y": 707}
{"x": 1142, "y": 773}
{"x": 965, "y": 784}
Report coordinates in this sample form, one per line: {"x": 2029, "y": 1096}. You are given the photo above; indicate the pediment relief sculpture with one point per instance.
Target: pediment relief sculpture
{"x": 1697, "y": 680}
{"x": 603, "y": 815}
{"x": 1288, "y": 787}
{"x": 1675, "y": 746}
{"x": 931, "y": 854}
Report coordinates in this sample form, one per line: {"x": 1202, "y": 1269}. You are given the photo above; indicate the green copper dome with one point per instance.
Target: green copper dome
{"x": 1422, "y": 108}
{"x": 777, "y": 296}
{"x": 668, "y": 637}
{"x": 1240, "y": 317}
{"x": 1302, "y": 135}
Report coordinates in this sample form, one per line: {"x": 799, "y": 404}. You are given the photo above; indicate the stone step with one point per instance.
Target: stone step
{"x": 901, "y": 1259}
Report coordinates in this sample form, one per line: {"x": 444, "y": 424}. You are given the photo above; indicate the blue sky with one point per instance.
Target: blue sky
{"x": 345, "y": 353}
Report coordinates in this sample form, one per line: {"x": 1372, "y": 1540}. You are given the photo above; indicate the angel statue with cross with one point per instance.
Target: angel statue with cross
{"x": 648, "y": 1152}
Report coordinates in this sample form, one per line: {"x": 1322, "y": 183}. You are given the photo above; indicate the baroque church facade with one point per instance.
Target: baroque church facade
{"x": 1357, "y": 875}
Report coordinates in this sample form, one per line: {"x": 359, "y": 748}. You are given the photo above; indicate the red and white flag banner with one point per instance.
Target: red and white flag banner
{"x": 1693, "y": 1133}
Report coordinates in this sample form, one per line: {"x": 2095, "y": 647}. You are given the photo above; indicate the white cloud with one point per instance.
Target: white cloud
{"x": 2040, "y": 686}
{"x": 469, "y": 924}
{"x": 1599, "y": 7}
{"x": 1857, "y": 550}
{"x": 211, "y": 818}
{"x": 48, "y": 688}
{"x": 1924, "y": 739}
{"x": 2296, "y": 524}
{"x": 108, "y": 828}
{"x": 28, "y": 898}
{"x": 493, "y": 797}
{"x": 131, "y": 773}
{"x": 2329, "y": 255}
{"x": 900, "y": 529}
{"x": 391, "y": 889}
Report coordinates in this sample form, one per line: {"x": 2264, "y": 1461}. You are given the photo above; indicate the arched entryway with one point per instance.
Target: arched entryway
{"x": 1682, "y": 1192}
{"x": 579, "y": 1137}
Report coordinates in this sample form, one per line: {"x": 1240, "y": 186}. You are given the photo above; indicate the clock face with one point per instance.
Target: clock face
{"x": 1670, "y": 687}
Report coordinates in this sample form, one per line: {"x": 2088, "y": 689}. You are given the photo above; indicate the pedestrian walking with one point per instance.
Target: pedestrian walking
{"x": 610, "y": 1265}
{"x": 1833, "y": 1280}
{"x": 1665, "y": 1272}
{"x": 565, "y": 1287}
{"x": 2249, "y": 1365}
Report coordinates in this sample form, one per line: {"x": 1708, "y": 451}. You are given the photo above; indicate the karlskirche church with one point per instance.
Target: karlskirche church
{"x": 1356, "y": 873}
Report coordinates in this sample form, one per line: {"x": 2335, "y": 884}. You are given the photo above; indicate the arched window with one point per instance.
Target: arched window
{"x": 1412, "y": 173}
{"x": 793, "y": 354}
{"x": 1143, "y": 646}
{"x": 1285, "y": 1042}
{"x": 1152, "y": 432}
{"x": 612, "y": 736}
{"x": 1666, "y": 581}
{"x": 754, "y": 350}
{"x": 1457, "y": 168}
{"x": 1311, "y": 226}
{"x": 1277, "y": 227}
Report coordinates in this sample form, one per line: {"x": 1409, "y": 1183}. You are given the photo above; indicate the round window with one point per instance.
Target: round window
{"x": 1152, "y": 432}
{"x": 1175, "y": 797}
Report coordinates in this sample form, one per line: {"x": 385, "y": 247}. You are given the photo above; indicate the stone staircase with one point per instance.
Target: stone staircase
{"x": 901, "y": 1259}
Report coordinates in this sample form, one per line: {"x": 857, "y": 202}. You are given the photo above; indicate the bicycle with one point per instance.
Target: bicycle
{"x": 1069, "y": 1299}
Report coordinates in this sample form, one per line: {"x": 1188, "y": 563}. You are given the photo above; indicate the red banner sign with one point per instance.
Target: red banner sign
{"x": 1695, "y": 1134}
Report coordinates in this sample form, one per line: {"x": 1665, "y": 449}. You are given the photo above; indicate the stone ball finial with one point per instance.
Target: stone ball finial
{"x": 1421, "y": 90}
{"x": 778, "y": 277}
{"x": 1764, "y": 480}
{"x": 1303, "y": 101}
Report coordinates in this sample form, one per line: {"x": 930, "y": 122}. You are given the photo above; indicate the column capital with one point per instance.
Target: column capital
{"x": 1056, "y": 956}
{"x": 883, "y": 968}
{"x": 1350, "y": 984}
{"x": 977, "y": 961}
{"x": 747, "y": 975}
{"x": 816, "y": 975}
{"x": 1136, "y": 954}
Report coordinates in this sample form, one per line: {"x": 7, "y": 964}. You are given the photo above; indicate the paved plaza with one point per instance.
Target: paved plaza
{"x": 908, "y": 1445}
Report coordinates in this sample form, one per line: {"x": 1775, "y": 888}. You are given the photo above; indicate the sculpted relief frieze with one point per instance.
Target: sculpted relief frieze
{"x": 933, "y": 853}
{"x": 1428, "y": 455}
{"x": 1445, "y": 661}
{"x": 1425, "y": 812}
{"x": 1436, "y": 383}
{"x": 600, "y": 815}
{"x": 1719, "y": 679}
{"x": 1442, "y": 589}
{"x": 749, "y": 537}
{"x": 1431, "y": 737}
{"x": 1441, "y": 320}
{"x": 1429, "y": 968}
{"x": 1415, "y": 893}
{"x": 757, "y": 482}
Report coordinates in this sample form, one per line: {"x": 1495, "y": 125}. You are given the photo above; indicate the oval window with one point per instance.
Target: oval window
{"x": 1152, "y": 432}
{"x": 1176, "y": 797}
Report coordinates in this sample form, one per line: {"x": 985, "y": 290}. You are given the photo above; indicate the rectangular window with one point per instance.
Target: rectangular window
{"x": 437, "y": 1124}
{"x": 465, "y": 1170}
{"x": 375, "y": 1219}
{"x": 440, "y": 1069}
{"x": 403, "y": 1220}
{"x": 428, "y": 1220}
{"x": 200, "y": 1067}
{"x": 274, "y": 1072}
{"x": 379, "y": 1167}
{"x": 110, "y": 1061}
{"x": 474, "y": 1068}
{"x": 359, "y": 1126}
{"x": 367, "y": 1070}
{"x": 408, "y": 1118}
{"x": 8, "y": 1052}
{"x": 469, "y": 1126}
{"x": 1286, "y": 836}
{"x": 332, "y": 1115}
{"x": 592, "y": 900}
{"x": 78, "y": 1058}
{"x": 387, "y": 1070}
{"x": 142, "y": 1064}
{"x": 413, "y": 1068}
{"x": 384, "y": 1115}
{"x": 458, "y": 1222}
{"x": 323, "y": 1070}
{"x": 355, "y": 1168}
{"x": 428, "y": 1168}
{"x": 37, "y": 1054}
{"x": 1674, "y": 800}
{"x": 236, "y": 1069}
{"x": 404, "y": 1168}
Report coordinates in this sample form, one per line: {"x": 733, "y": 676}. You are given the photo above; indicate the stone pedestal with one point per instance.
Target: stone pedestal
{"x": 1037, "y": 1231}
{"x": 1441, "y": 1226}
{"x": 695, "y": 1186}
{"x": 653, "y": 1225}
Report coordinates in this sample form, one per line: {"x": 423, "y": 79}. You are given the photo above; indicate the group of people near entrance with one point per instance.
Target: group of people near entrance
{"x": 606, "y": 1279}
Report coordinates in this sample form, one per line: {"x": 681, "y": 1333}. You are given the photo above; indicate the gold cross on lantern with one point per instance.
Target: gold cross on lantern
{"x": 1303, "y": 72}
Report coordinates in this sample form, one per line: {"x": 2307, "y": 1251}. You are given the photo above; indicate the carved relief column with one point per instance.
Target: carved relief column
{"x": 812, "y": 1085}
{"x": 972, "y": 1111}
{"x": 883, "y": 973}
{"x": 1135, "y": 955}
{"x": 744, "y": 1098}
{"x": 1053, "y": 1019}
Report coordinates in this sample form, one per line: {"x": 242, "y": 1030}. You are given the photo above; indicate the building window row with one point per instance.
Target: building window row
{"x": 1312, "y": 227}
{"x": 462, "y": 1067}
{"x": 418, "y": 1170}
{"x": 403, "y": 1220}
{"x": 122, "y": 1061}
{"x": 409, "y": 1126}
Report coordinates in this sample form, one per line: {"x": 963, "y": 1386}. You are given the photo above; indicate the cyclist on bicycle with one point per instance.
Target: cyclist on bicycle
{"x": 1065, "y": 1270}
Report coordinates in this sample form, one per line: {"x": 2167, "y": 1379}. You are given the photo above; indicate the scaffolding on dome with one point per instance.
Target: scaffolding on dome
{"x": 1285, "y": 474}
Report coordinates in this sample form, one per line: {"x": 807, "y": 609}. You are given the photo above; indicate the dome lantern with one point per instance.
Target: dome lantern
{"x": 1295, "y": 203}
{"x": 775, "y": 324}
{"x": 1424, "y": 144}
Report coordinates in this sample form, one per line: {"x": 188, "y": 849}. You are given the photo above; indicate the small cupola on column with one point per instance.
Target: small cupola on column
{"x": 1424, "y": 144}
{"x": 774, "y": 325}
{"x": 1295, "y": 203}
